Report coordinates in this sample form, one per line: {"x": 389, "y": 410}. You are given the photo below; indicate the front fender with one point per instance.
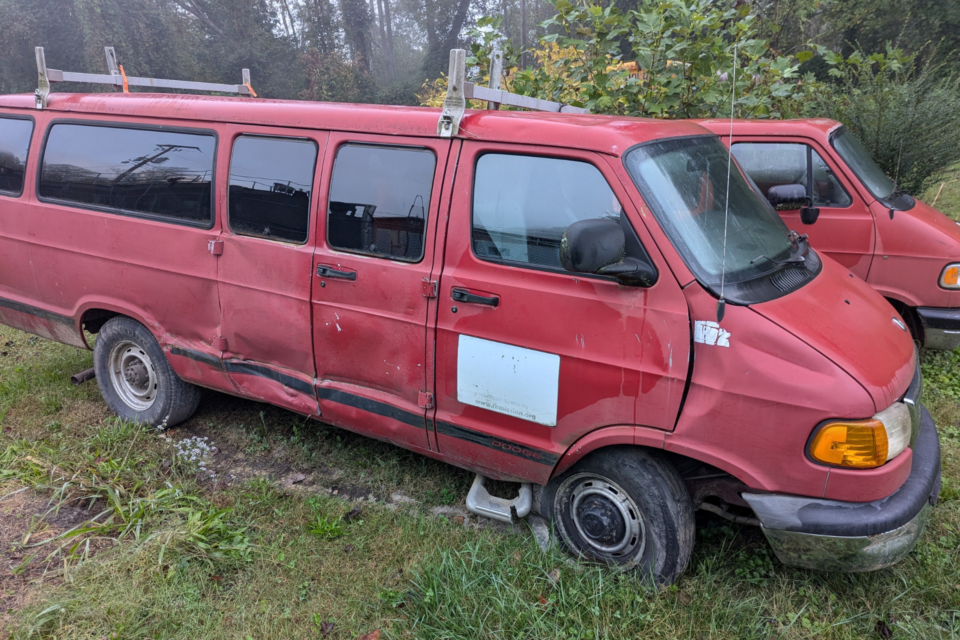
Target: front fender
{"x": 608, "y": 437}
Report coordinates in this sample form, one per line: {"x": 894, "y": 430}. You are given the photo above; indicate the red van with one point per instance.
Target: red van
{"x": 531, "y": 296}
{"x": 907, "y": 250}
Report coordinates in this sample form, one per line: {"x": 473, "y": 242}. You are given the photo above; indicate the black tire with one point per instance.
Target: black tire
{"x": 624, "y": 496}
{"x": 140, "y": 385}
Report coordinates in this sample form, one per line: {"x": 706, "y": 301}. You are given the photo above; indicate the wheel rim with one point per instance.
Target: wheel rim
{"x": 133, "y": 375}
{"x": 607, "y": 519}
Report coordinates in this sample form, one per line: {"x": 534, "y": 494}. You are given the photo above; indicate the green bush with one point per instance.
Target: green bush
{"x": 684, "y": 49}
{"x": 908, "y": 120}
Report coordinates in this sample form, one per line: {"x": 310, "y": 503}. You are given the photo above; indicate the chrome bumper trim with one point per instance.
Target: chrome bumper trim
{"x": 842, "y": 553}
{"x": 941, "y": 339}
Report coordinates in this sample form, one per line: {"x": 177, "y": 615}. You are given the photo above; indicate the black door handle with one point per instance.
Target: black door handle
{"x": 329, "y": 272}
{"x": 462, "y": 295}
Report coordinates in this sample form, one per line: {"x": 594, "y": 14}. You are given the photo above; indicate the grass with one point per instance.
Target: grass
{"x": 131, "y": 534}
{"x": 948, "y": 187}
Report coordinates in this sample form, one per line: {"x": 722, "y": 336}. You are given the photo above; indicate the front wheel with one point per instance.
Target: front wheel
{"x": 135, "y": 379}
{"x": 625, "y": 507}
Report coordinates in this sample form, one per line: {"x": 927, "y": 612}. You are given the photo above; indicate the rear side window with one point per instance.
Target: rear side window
{"x": 14, "y": 144}
{"x": 522, "y": 205}
{"x": 270, "y": 184}
{"x": 379, "y": 197}
{"x": 166, "y": 174}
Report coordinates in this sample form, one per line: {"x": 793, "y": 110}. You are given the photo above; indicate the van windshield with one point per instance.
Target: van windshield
{"x": 859, "y": 160}
{"x": 684, "y": 182}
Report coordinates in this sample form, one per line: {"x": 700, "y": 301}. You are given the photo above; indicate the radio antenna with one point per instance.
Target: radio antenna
{"x": 722, "y": 303}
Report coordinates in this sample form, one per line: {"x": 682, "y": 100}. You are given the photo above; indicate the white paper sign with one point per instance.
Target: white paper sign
{"x": 510, "y": 380}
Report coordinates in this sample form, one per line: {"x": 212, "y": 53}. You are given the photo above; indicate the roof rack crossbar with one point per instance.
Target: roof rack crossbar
{"x": 46, "y": 77}
{"x": 478, "y": 92}
{"x": 459, "y": 91}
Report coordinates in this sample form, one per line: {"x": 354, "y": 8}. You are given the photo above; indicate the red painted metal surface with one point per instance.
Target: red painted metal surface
{"x": 264, "y": 288}
{"x": 912, "y": 250}
{"x": 367, "y": 352}
{"x": 623, "y": 350}
{"x": 876, "y": 351}
{"x": 901, "y": 257}
{"x": 370, "y": 333}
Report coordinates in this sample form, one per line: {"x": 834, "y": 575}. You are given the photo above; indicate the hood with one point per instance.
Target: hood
{"x": 940, "y": 236}
{"x": 843, "y": 318}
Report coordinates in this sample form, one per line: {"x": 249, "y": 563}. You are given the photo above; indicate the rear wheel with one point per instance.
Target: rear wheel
{"x": 625, "y": 507}
{"x": 135, "y": 379}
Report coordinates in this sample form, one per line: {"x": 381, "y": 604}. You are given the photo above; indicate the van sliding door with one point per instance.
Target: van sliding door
{"x": 268, "y": 239}
{"x": 372, "y": 293}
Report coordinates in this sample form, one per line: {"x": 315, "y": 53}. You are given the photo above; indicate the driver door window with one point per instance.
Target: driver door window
{"x": 522, "y": 205}
{"x": 771, "y": 164}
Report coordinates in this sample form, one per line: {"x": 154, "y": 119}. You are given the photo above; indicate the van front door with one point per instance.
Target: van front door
{"x": 531, "y": 357}
{"x": 371, "y": 289}
{"x": 266, "y": 261}
{"x": 845, "y": 228}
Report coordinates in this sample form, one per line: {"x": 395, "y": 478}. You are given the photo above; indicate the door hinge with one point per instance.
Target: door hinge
{"x": 215, "y": 247}
{"x": 425, "y": 399}
{"x": 220, "y": 343}
{"x": 429, "y": 288}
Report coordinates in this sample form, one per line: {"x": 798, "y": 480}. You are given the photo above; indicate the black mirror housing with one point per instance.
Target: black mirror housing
{"x": 599, "y": 246}
{"x": 633, "y": 272}
{"x": 589, "y": 245}
{"x": 787, "y": 197}
{"x": 809, "y": 215}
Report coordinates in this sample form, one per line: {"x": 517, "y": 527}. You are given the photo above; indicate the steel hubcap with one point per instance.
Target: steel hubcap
{"x": 133, "y": 375}
{"x": 607, "y": 519}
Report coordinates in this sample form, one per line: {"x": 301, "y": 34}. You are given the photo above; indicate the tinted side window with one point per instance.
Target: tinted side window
{"x": 270, "y": 184}
{"x": 522, "y": 205}
{"x": 14, "y": 143}
{"x": 379, "y": 197}
{"x": 158, "y": 173}
{"x": 770, "y": 164}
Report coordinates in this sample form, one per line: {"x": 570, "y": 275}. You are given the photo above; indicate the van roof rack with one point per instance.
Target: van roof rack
{"x": 459, "y": 91}
{"x": 120, "y": 81}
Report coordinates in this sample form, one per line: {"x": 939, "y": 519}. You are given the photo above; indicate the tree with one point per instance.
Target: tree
{"x": 444, "y": 21}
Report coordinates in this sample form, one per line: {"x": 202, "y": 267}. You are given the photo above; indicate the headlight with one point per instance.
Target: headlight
{"x": 950, "y": 278}
{"x": 863, "y": 444}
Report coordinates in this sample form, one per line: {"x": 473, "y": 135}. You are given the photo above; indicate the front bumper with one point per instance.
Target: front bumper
{"x": 855, "y": 536}
{"x": 941, "y": 328}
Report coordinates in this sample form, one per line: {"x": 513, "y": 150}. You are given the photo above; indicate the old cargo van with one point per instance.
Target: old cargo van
{"x": 531, "y": 296}
{"x": 853, "y": 212}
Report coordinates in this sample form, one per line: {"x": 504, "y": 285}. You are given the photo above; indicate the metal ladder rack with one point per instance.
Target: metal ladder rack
{"x": 459, "y": 91}
{"x": 120, "y": 81}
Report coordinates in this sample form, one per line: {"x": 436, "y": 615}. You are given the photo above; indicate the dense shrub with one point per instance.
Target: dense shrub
{"x": 684, "y": 50}
{"x": 908, "y": 120}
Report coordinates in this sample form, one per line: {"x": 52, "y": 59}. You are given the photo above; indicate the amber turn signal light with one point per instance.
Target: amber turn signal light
{"x": 860, "y": 444}
{"x": 951, "y": 277}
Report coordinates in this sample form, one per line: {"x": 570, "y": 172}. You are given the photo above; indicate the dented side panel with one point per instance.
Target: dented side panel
{"x": 265, "y": 293}
{"x": 370, "y": 318}
{"x": 87, "y": 259}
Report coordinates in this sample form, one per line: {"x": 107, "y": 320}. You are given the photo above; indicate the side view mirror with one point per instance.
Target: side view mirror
{"x": 598, "y": 245}
{"x": 809, "y": 215}
{"x": 787, "y": 197}
{"x": 590, "y": 245}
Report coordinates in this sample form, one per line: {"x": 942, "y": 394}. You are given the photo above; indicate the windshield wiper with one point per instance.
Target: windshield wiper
{"x": 798, "y": 258}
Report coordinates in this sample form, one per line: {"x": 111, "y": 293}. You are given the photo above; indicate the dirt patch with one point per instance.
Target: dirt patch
{"x": 22, "y": 523}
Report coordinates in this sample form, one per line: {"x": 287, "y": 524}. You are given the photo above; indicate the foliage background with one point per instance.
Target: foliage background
{"x": 887, "y": 68}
